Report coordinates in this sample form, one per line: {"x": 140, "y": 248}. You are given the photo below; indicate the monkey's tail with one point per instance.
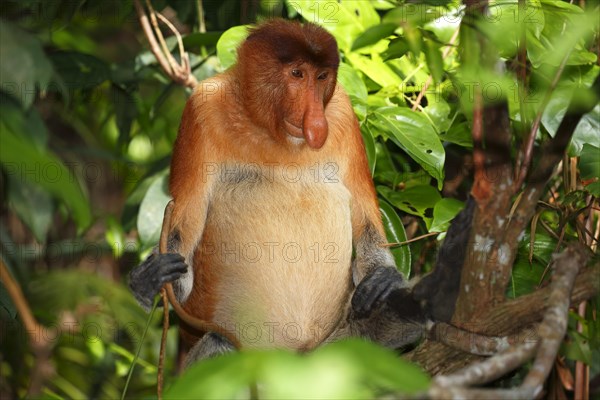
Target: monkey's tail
{"x": 168, "y": 296}
{"x": 194, "y": 322}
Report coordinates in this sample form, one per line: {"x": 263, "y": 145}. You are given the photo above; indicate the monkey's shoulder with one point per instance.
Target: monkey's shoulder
{"x": 215, "y": 95}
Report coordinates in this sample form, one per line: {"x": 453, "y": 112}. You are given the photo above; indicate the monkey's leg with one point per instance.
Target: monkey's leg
{"x": 396, "y": 321}
{"x": 210, "y": 345}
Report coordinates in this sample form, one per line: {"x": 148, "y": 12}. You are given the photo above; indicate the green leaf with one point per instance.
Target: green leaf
{"x": 373, "y": 35}
{"x": 345, "y": 20}
{"x": 417, "y": 200}
{"x": 543, "y": 248}
{"x": 125, "y": 112}
{"x": 152, "y": 209}
{"x": 435, "y": 63}
{"x": 20, "y": 157}
{"x": 578, "y": 348}
{"x": 460, "y": 134}
{"x": 525, "y": 277}
{"x": 413, "y": 132}
{"x": 347, "y": 369}
{"x": 395, "y": 233}
{"x": 438, "y": 111}
{"x": 585, "y": 132}
{"x": 369, "y": 142}
{"x": 411, "y": 14}
{"x": 356, "y": 89}
{"x": 443, "y": 213}
{"x": 79, "y": 70}
{"x": 375, "y": 69}
{"x": 396, "y": 49}
{"x": 24, "y": 65}
{"x": 228, "y": 44}
{"x": 589, "y": 165}
{"x": 198, "y": 39}
{"x": 32, "y": 204}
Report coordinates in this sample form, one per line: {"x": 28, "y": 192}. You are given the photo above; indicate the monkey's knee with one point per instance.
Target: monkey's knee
{"x": 210, "y": 345}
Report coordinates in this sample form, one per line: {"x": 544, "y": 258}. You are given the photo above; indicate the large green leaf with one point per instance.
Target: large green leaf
{"x": 395, "y": 233}
{"x": 346, "y": 20}
{"x": 23, "y": 64}
{"x": 152, "y": 209}
{"x": 373, "y": 35}
{"x": 585, "y": 132}
{"x": 347, "y": 369}
{"x": 356, "y": 89}
{"x": 444, "y": 212}
{"x": 376, "y": 69}
{"x": 228, "y": 44}
{"x": 21, "y": 158}
{"x": 413, "y": 132}
{"x": 417, "y": 200}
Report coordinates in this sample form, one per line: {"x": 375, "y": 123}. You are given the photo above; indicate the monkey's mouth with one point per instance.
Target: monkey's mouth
{"x": 293, "y": 129}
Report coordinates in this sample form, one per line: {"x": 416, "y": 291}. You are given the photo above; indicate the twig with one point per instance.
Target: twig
{"x": 182, "y": 54}
{"x": 178, "y": 73}
{"x": 163, "y": 345}
{"x": 582, "y": 371}
{"x": 161, "y": 39}
{"x": 415, "y": 239}
{"x": 38, "y": 334}
{"x": 162, "y": 249}
{"x": 201, "y": 22}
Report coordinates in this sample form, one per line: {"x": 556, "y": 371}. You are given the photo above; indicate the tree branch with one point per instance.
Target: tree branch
{"x": 509, "y": 318}
{"x": 551, "y": 331}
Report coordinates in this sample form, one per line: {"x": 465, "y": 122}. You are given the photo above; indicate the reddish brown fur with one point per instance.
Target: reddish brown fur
{"x": 236, "y": 117}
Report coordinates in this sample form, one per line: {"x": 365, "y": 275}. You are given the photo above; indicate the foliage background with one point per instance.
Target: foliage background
{"x": 87, "y": 121}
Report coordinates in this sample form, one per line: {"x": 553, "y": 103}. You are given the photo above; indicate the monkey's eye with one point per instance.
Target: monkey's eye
{"x": 322, "y": 76}
{"x": 296, "y": 73}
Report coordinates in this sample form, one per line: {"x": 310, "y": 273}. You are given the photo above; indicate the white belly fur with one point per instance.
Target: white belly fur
{"x": 282, "y": 251}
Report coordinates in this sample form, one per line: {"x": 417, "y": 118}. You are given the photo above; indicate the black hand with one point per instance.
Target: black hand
{"x": 373, "y": 290}
{"x": 146, "y": 280}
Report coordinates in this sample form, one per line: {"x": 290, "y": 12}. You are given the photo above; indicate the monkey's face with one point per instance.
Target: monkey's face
{"x": 308, "y": 89}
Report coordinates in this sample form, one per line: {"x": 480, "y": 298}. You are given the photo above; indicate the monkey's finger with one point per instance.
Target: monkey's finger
{"x": 178, "y": 268}
{"x": 169, "y": 278}
{"x": 171, "y": 257}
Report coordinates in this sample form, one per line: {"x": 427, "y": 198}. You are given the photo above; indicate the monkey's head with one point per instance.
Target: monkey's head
{"x": 287, "y": 73}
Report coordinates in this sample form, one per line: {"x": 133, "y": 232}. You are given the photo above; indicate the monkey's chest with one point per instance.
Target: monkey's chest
{"x": 279, "y": 247}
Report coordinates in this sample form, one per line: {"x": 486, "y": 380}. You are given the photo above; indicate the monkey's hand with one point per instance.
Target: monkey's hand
{"x": 146, "y": 280}
{"x": 374, "y": 289}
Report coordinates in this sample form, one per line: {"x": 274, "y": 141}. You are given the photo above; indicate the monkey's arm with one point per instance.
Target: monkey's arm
{"x": 374, "y": 269}
{"x": 190, "y": 183}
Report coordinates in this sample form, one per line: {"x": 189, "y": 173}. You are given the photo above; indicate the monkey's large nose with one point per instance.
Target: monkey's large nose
{"x": 315, "y": 125}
